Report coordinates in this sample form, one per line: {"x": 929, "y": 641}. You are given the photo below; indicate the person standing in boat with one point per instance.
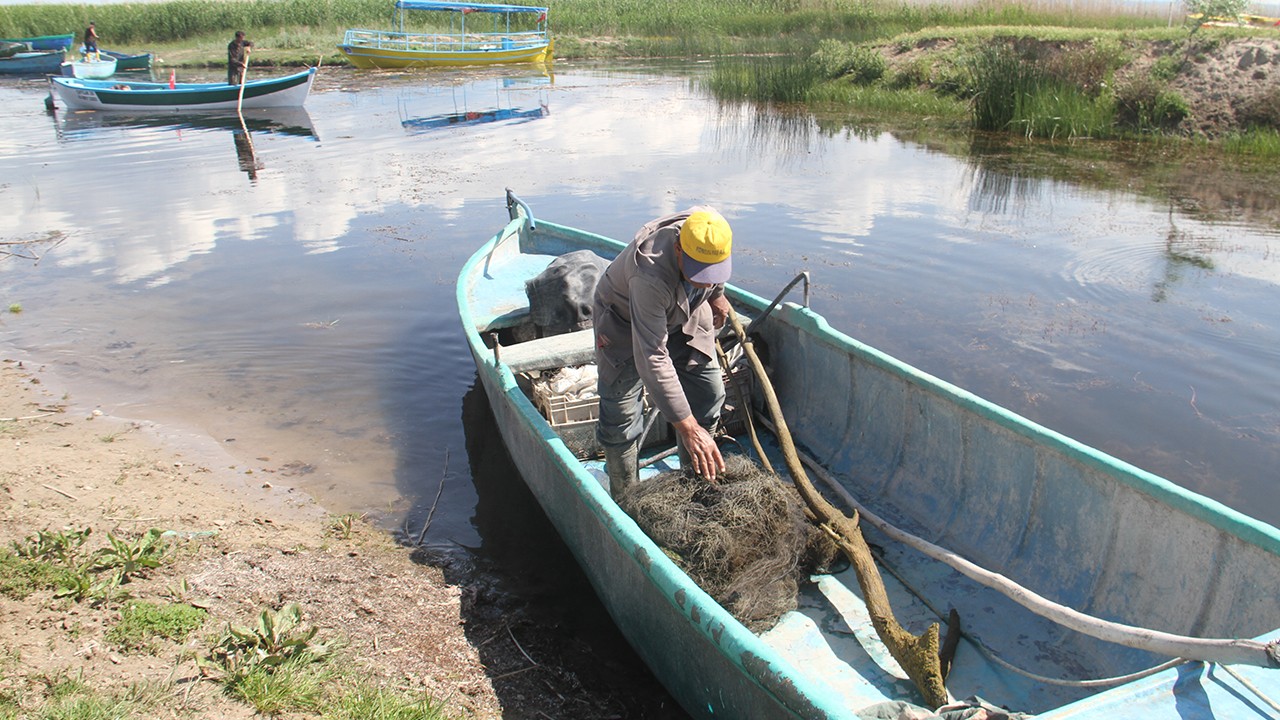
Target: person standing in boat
{"x": 655, "y": 312}
{"x": 237, "y": 58}
{"x": 90, "y": 40}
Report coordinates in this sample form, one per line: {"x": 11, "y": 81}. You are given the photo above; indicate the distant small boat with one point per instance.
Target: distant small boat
{"x": 143, "y": 97}
{"x": 500, "y": 44}
{"x": 45, "y": 42}
{"x": 141, "y": 61}
{"x": 32, "y": 63}
{"x": 93, "y": 66}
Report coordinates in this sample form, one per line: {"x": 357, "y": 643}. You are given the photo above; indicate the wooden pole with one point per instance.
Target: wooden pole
{"x": 918, "y": 656}
{"x": 244, "y": 72}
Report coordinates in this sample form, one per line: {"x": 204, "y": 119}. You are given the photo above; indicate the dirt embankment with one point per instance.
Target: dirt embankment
{"x": 1227, "y": 83}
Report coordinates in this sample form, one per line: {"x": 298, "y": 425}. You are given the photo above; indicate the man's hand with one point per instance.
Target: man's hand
{"x": 703, "y": 451}
{"x": 719, "y": 310}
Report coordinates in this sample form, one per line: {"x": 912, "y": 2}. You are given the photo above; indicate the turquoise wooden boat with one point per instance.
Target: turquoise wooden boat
{"x": 45, "y": 42}
{"x": 1009, "y": 500}
{"x": 149, "y": 97}
{"x": 32, "y": 63}
{"x": 125, "y": 61}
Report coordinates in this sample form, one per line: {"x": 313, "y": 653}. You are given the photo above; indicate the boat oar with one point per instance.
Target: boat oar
{"x": 918, "y": 655}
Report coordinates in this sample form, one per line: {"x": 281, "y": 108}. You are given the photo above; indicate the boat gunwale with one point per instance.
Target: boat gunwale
{"x": 1201, "y": 507}
{"x": 156, "y": 87}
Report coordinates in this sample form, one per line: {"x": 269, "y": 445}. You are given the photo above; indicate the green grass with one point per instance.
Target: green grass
{"x": 366, "y": 702}
{"x": 296, "y": 685}
{"x": 67, "y": 697}
{"x": 1259, "y": 144}
{"x": 905, "y": 107}
{"x": 21, "y": 576}
{"x": 142, "y": 624}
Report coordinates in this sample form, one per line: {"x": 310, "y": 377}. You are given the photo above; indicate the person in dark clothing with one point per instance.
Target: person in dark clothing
{"x": 237, "y": 58}
{"x": 90, "y": 40}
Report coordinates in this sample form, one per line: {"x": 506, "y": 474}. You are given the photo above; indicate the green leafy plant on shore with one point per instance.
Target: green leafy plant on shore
{"x": 277, "y": 638}
{"x": 272, "y": 665}
{"x": 56, "y": 559}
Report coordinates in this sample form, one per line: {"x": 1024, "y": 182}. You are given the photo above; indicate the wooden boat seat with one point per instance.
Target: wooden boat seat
{"x": 575, "y": 348}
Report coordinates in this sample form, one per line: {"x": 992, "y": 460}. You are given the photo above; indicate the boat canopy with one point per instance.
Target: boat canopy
{"x": 466, "y": 7}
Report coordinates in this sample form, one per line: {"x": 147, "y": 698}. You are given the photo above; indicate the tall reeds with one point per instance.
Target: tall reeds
{"x": 177, "y": 20}
{"x": 1016, "y": 91}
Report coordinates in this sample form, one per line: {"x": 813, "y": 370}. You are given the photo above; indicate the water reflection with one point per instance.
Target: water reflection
{"x": 88, "y": 126}
{"x": 513, "y": 100}
{"x": 245, "y": 154}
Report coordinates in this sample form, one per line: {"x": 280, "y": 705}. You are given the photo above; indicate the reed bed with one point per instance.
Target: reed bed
{"x": 180, "y": 20}
{"x": 701, "y": 26}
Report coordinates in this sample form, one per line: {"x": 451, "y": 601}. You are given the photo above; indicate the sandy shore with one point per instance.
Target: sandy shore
{"x": 244, "y": 544}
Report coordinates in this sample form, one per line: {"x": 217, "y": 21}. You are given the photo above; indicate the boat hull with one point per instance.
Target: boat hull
{"x": 140, "y": 61}
{"x": 373, "y": 58}
{"x": 1076, "y": 526}
{"x": 33, "y": 63}
{"x": 148, "y": 97}
{"x": 46, "y": 42}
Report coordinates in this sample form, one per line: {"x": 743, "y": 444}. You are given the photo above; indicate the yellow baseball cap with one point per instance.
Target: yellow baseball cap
{"x": 707, "y": 240}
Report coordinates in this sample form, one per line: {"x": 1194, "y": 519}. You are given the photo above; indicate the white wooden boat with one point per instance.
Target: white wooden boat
{"x": 1110, "y": 551}
{"x": 91, "y": 66}
{"x": 151, "y": 97}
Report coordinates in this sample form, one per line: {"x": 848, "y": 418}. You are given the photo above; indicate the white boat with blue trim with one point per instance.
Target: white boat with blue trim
{"x": 151, "y": 97}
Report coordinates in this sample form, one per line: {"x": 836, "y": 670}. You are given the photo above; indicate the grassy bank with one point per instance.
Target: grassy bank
{"x": 1045, "y": 82}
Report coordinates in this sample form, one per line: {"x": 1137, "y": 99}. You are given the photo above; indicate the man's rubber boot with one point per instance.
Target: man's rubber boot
{"x": 621, "y": 464}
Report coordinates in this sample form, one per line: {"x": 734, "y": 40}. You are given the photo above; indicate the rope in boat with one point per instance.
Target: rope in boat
{"x": 1252, "y": 688}
{"x": 988, "y": 652}
{"x": 1224, "y": 651}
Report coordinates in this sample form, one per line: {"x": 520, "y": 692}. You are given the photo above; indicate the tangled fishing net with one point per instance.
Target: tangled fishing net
{"x": 745, "y": 540}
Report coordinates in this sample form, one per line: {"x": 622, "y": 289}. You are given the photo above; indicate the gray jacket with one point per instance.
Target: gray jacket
{"x": 641, "y": 299}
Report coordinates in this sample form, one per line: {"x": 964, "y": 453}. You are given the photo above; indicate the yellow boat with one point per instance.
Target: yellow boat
{"x": 1237, "y": 21}
{"x": 517, "y": 34}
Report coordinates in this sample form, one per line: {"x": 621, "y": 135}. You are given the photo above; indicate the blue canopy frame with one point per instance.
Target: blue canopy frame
{"x": 461, "y": 6}
{"x": 466, "y": 8}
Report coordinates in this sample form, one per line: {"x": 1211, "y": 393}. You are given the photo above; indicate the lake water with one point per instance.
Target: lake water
{"x": 289, "y": 291}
